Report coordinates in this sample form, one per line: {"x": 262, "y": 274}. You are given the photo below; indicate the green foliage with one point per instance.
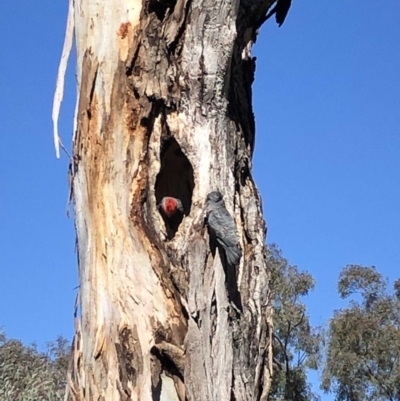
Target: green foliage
{"x": 358, "y": 279}
{"x": 363, "y": 350}
{"x": 296, "y": 344}
{"x": 29, "y": 375}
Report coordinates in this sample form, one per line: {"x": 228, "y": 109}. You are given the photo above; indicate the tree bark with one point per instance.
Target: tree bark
{"x": 164, "y": 108}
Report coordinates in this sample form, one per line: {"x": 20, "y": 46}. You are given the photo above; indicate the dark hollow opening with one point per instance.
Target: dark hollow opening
{"x": 175, "y": 180}
{"x": 160, "y": 7}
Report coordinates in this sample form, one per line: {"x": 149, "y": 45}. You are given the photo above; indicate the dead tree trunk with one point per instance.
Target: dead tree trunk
{"x": 164, "y": 108}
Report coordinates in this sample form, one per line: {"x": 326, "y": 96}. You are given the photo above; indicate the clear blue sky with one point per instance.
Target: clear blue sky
{"x": 327, "y": 159}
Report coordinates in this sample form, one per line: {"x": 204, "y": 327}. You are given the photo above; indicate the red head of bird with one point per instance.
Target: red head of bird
{"x": 170, "y": 206}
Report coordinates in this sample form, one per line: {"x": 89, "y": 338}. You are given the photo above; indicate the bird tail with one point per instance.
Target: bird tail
{"x": 233, "y": 255}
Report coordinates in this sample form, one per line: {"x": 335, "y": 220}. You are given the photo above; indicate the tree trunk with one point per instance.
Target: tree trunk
{"x": 164, "y": 108}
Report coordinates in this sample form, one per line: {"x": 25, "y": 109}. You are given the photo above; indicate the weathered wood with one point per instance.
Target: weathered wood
{"x": 165, "y": 109}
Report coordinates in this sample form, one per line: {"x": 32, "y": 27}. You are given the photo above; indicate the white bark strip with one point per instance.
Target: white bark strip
{"x": 59, "y": 92}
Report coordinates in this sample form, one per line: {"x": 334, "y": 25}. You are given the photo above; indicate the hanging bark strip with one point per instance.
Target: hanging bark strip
{"x": 165, "y": 109}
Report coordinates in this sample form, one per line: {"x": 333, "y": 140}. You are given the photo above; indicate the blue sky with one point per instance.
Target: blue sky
{"x": 327, "y": 158}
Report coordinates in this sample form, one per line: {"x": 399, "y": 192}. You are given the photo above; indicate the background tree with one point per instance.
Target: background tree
{"x": 165, "y": 109}
{"x": 27, "y": 374}
{"x": 296, "y": 345}
{"x": 363, "y": 351}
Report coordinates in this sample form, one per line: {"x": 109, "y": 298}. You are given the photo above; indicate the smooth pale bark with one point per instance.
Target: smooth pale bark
{"x": 164, "y": 108}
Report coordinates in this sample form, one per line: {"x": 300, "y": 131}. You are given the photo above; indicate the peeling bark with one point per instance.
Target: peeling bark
{"x": 165, "y": 109}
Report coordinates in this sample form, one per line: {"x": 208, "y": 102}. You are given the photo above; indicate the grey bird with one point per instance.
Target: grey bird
{"x": 222, "y": 226}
